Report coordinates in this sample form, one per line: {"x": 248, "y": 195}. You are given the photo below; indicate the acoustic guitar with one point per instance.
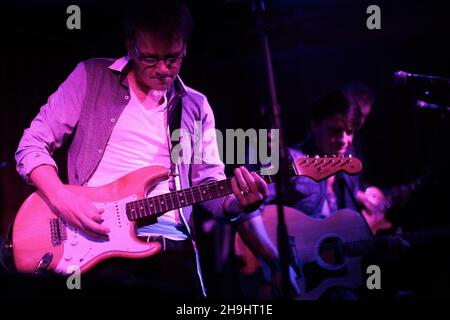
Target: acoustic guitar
{"x": 324, "y": 253}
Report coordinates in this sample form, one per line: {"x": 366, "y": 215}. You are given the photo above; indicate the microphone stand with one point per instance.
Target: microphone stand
{"x": 258, "y": 7}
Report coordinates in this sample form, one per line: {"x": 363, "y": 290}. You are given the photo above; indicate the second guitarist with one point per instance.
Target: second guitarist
{"x": 335, "y": 119}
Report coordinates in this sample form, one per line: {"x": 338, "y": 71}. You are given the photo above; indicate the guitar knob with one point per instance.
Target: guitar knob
{"x": 74, "y": 242}
{"x": 68, "y": 258}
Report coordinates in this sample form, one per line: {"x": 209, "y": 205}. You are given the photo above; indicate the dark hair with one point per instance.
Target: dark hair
{"x": 360, "y": 91}
{"x": 336, "y": 102}
{"x": 168, "y": 18}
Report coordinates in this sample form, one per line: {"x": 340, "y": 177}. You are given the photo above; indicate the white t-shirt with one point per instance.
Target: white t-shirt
{"x": 140, "y": 139}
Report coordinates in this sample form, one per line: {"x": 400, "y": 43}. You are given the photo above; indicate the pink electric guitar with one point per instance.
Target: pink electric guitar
{"x": 43, "y": 241}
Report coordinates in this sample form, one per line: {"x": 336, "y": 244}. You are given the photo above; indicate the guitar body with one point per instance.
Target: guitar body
{"x": 318, "y": 247}
{"x": 37, "y": 231}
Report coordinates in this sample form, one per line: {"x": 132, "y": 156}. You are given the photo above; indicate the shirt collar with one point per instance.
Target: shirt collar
{"x": 122, "y": 65}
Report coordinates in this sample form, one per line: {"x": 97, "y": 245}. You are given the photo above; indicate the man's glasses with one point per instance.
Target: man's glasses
{"x": 153, "y": 61}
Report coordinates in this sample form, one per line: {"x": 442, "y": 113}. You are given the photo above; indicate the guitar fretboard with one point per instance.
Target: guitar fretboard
{"x": 157, "y": 205}
{"x": 421, "y": 237}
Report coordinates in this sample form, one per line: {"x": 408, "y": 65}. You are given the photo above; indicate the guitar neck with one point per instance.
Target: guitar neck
{"x": 316, "y": 168}
{"x": 157, "y": 205}
{"x": 416, "y": 238}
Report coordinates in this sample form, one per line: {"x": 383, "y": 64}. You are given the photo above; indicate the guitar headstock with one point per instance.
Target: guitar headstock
{"x": 319, "y": 168}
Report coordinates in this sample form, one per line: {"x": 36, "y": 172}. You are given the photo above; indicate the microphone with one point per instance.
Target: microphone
{"x": 403, "y": 77}
{"x": 432, "y": 106}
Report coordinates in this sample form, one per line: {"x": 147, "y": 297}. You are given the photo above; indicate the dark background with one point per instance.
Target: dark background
{"x": 316, "y": 45}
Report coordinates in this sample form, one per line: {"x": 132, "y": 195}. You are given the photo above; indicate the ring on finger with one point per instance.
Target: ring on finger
{"x": 244, "y": 192}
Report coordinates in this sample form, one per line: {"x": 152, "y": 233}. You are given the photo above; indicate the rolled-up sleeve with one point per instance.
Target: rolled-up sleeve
{"x": 54, "y": 123}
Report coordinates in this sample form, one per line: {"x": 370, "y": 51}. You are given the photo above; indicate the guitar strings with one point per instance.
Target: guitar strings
{"x": 196, "y": 191}
{"x": 216, "y": 187}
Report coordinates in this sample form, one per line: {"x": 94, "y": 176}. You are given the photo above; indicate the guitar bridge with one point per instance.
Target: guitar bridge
{"x": 58, "y": 232}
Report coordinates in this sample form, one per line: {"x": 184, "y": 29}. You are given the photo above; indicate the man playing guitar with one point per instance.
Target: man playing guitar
{"x": 121, "y": 114}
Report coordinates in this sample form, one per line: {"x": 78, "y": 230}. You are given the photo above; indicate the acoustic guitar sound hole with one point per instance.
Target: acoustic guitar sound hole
{"x": 331, "y": 251}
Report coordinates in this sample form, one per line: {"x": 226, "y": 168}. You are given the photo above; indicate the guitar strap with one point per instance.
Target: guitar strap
{"x": 357, "y": 206}
{"x": 174, "y": 122}
{"x": 342, "y": 189}
{"x": 174, "y": 114}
